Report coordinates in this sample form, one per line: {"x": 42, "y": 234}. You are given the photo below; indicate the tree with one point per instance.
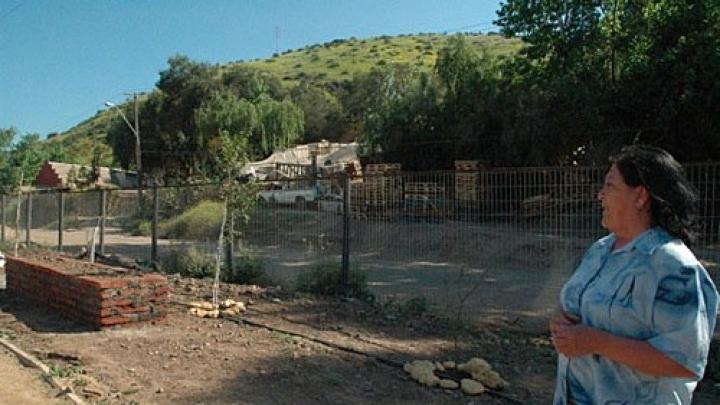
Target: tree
{"x": 622, "y": 71}
{"x": 323, "y": 113}
{"x": 25, "y": 160}
{"x": 263, "y": 125}
{"x": 559, "y": 33}
{"x": 7, "y": 179}
{"x": 251, "y": 83}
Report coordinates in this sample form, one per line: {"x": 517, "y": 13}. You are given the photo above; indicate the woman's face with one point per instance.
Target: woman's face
{"x": 621, "y": 204}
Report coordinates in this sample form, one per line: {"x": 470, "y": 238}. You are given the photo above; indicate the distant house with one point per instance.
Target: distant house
{"x": 330, "y": 158}
{"x": 72, "y": 176}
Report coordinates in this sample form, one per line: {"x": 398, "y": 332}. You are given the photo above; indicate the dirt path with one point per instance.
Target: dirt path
{"x": 23, "y": 386}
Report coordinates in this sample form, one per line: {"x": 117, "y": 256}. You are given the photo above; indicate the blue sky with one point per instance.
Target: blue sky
{"x": 60, "y": 60}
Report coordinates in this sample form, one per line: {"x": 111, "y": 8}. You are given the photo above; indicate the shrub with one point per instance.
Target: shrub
{"x": 193, "y": 263}
{"x": 142, "y": 228}
{"x": 199, "y": 222}
{"x": 415, "y": 306}
{"x": 248, "y": 270}
{"x": 324, "y": 279}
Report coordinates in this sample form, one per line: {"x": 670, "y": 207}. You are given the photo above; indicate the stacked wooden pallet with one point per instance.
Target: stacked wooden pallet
{"x": 383, "y": 184}
{"x": 379, "y": 194}
{"x": 354, "y": 170}
{"x": 358, "y": 204}
{"x": 467, "y": 180}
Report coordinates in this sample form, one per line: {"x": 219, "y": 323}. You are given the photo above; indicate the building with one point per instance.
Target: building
{"x": 73, "y": 176}
{"x": 329, "y": 157}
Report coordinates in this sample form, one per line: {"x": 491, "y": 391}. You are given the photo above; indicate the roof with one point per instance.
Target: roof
{"x": 330, "y": 155}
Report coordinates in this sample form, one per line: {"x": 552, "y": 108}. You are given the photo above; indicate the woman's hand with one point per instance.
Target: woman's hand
{"x": 562, "y": 318}
{"x": 570, "y": 337}
{"x": 575, "y": 340}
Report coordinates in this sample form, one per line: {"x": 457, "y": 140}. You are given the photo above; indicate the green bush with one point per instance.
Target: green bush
{"x": 415, "y": 306}
{"x": 142, "y": 228}
{"x": 199, "y": 222}
{"x": 193, "y": 263}
{"x": 324, "y": 278}
{"x": 248, "y": 270}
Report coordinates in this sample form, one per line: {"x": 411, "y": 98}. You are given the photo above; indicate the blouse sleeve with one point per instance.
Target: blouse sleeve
{"x": 683, "y": 315}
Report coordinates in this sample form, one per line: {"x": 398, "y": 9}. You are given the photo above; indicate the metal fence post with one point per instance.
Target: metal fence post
{"x": 61, "y": 217}
{"x": 103, "y": 215}
{"x": 156, "y": 213}
{"x": 344, "y": 276}
{"x": 28, "y": 219}
{"x": 230, "y": 245}
{"x": 2, "y": 213}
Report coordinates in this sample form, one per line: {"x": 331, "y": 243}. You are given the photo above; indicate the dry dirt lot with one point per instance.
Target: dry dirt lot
{"x": 189, "y": 360}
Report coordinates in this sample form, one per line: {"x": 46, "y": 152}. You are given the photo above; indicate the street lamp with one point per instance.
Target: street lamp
{"x": 136, "y": 131}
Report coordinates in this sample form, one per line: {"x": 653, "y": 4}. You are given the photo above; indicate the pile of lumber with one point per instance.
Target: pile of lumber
{"x": 380, "y": 192}
{"x": 467, "y": 180}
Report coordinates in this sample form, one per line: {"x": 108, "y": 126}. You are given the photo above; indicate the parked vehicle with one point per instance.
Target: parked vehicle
{"x": 281, "y": 193}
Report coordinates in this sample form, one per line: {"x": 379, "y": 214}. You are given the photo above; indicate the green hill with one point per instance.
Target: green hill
{"x": 81, "y": 141}
{"x": 321, "y": 64}
{"x": 341, "y": 59}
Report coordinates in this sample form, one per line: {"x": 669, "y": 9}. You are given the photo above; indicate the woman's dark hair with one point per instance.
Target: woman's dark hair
{"x": 673, "y": 201}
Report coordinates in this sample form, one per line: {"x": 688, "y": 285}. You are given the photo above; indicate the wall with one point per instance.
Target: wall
{"x": 97, "y": 301}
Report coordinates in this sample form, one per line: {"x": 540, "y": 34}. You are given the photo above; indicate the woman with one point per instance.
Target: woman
{"x": 638, "y": 314}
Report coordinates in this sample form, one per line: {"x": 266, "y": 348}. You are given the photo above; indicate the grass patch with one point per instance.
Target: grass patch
{"x": 198, "y": 223}
{"x": 324, "y": 279}
{"x": 64, "y": 371}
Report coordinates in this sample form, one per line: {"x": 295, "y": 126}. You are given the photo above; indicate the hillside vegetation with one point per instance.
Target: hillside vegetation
{"x": 578, "y": 85}
{"x": 342, "y": 59}
{"x": 322, "y": 64}
{"x": 88, "y": 138}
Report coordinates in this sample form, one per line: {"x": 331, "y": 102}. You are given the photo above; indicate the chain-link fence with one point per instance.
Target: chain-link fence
{"x": 493, "y": 241}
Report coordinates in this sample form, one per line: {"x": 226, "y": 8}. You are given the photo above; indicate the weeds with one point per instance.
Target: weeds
{"x": 60, "y": 371}
{"x": 248, "y": 270}
{"x": 393, "y": 309}
{"x": 324, "y": 278}
{"x": 191, "y": 262}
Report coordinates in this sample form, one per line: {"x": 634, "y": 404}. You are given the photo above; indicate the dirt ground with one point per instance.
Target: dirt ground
{"x": 273, "y": 353}
{"x": 22, "y": 385}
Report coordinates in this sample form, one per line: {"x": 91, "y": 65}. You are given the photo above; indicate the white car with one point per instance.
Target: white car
{"x": 2, "y": 260}
{"x": 279, "y": 195}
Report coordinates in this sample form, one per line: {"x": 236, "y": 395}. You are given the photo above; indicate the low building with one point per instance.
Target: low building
{"x": 295, "y": 162}
{"x": 72, "y": 176}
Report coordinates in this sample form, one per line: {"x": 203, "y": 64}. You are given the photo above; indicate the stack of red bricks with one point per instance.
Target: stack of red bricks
{"x": 100, "y": 300}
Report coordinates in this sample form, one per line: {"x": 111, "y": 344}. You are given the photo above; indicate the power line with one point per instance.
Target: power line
{"x": 466, "y": 27}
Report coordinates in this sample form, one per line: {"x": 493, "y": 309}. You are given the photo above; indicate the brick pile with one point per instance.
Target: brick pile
{"x": 100, "y": 300}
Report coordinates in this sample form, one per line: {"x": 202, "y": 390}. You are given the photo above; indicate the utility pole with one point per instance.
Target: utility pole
{"x": 135, "y": 129}
{"x": 138, "y": 161}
